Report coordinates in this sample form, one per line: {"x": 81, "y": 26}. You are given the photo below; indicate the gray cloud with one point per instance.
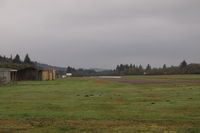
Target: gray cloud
{"x": 93, "y": 33}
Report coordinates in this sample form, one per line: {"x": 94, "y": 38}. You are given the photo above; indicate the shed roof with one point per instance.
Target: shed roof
{"x": 7, "y": 70}
{"x": 30, "y": 68}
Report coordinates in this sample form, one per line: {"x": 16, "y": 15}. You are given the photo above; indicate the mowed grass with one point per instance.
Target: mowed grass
{"x": 101, "y": 106}
{"x": 165, "y": 77}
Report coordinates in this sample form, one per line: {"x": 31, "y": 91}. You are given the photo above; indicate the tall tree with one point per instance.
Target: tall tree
{"x": 183, "y": 64}
{"x": 140, "y": 67}
{"x": 164, "y": 66}
{"x": 17, "y": 59}
{"x": 27, "y": 60}
{"x": 148, "y": 68}
{"x": 70, "y": 69}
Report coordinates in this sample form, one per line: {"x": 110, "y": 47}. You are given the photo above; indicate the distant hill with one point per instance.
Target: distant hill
{"x": 46, "y": 66}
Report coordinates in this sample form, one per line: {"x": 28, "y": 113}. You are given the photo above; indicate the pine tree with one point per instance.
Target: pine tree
{"x": 27, "y": 60}
{"x": 183, "y": 64}
{"x": 164, "y": 66}
{"x": 148, "y": 68}
{"x": 17, "y": 59}
{"x": 140, "y": 67}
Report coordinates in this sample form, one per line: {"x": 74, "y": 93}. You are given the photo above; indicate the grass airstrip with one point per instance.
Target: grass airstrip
{"x": 132, "y": 104}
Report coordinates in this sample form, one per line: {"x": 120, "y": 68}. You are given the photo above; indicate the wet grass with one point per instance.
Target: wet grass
{"x": 97, "y": 105}
{"x": 166, "y": 77}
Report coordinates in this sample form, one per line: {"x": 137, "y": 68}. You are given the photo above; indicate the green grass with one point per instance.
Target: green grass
{"x": 166, "y": 77}
{"x": 97, "y": 105}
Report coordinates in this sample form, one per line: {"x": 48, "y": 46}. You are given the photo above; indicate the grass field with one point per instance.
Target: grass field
{"x": 92, "y": 105}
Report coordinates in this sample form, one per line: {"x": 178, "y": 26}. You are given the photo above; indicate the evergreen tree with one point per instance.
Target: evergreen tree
{"x": 11, "y": 57}
{"x": 70, "y": 69}
{"x": 118, "y": 68}
{"x": 17, "y": 59}
{"x": 183, "y": 64}
{"x": 121, "y": 68}
{"x": 148, "y": 68}
{"x": 27, "y": 60}
{"x": 164, "y": 66}
{"x": 140, "y": 67}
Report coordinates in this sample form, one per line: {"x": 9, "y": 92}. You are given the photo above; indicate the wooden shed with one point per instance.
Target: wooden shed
{"x": 48, "y": 75}
{"x": 7, "y": 75}
{"x": 29, "y": 73}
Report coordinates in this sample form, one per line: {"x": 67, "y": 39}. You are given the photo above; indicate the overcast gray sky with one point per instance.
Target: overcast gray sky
{"x": 101, "y": 33}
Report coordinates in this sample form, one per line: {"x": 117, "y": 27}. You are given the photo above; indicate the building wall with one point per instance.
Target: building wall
{"x": 45, "y": 75}
{"x": 28, "y": 74}
{"x": 48, "y": 74}
{"x": 54, "y": 74}
{"x": 5, "y": 77}
{"x": 13, "y": 76}
{"x": 35, "y": 74}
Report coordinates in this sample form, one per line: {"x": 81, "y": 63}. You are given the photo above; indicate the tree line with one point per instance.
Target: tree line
{"x": 183, "y": 68}
{"x": 16, "y": 62}
{"x": 130, "y": 69}
{"x": 16, "y": 59}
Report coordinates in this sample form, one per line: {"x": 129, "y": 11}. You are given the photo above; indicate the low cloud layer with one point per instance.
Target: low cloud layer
{"x": 101, "y": 33}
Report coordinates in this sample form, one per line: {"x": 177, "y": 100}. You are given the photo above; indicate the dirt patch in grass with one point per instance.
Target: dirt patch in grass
{"x": 31, "y": 124}
{"x": 12, "y": 130}
{"x": 137, "y": 81}
{"x": 45, "y": 122}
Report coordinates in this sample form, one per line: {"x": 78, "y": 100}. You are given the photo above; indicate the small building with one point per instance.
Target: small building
{"x": 64, "y": 76}
{"x": 32, "y": 73}
{"x": 29, "y": 73}
{"x": 68, "y": 74}
{"x": 7, "y": 75}
{"x": 48, "y": 75}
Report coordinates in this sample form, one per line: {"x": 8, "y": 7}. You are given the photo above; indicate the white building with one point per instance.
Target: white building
{"x": 7, "y": 75}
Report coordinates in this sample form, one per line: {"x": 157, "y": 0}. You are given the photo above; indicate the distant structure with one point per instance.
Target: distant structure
{"x": 48, "y": 75}
{"x": 64, "y": 76}
{"x": 29, "y": 73}
{"x": 7, "y": 75}
{"x": 32, "y": 73}
{"x": 68, "y": 74}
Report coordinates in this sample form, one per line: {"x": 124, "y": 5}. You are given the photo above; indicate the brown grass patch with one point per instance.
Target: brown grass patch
{"x": 101, "y": 82}
{"x": 30, "y": 124}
